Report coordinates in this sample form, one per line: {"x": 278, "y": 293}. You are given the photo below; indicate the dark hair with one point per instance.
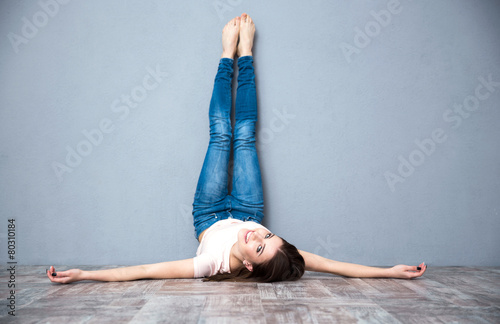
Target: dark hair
{"x": 287, "y": 264}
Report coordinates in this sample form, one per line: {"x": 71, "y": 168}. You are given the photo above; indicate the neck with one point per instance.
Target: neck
{"x": 235, "y": 260}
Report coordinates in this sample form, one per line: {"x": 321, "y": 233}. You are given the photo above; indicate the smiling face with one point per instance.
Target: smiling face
{"x": 257, "y": 246}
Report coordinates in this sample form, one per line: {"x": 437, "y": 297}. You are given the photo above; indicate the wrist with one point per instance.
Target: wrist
{"x": 379, "y": 272}
{"x": 84, "y": 275}
{"x": 389, "y": 273}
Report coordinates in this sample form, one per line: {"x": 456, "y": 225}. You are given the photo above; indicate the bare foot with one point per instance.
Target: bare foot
{"x": 230, "y": 38}
{"x": 247, "y": 31}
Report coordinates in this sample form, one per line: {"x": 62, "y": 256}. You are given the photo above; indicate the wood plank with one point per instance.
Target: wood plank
{"x": 447, "y": 294}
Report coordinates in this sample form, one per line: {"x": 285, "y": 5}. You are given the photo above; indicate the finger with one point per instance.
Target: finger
{"x": 62, "y": 277}
{"x": 52, "y": 278}
{"x": 411, "y": 268}
{"x": 61, "y": 274}
{"x": 412, "y": 275}
{"x": 58, "y": 280}
{"x": 52, "y": 272}
{"x": 420, "y": 272}
{"x": 55, "y": 273}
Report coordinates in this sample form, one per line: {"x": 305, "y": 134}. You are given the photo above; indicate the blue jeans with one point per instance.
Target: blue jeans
{"x": 212, "y": 201}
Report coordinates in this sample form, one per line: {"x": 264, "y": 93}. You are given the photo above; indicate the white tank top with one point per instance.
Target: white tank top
{"x": 214, "y": 251}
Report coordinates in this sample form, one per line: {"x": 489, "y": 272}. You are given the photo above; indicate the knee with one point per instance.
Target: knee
{"x": 244, "y": 134}
{"x": 220, "y": 130}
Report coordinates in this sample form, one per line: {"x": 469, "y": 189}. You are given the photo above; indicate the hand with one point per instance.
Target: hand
{"x": 407, "y": 272}
{"x": 64, "y": 277}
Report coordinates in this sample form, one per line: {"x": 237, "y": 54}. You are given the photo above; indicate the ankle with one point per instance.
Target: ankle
{"x": 227, "y": 55}
{"x": 245, "y": 53}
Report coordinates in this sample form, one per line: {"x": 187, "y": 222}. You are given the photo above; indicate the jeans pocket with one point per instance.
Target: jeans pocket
{"x": 252, "y": 219}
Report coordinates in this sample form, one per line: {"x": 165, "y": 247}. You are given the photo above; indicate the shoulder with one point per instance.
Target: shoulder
{"x": 205, "y": 265}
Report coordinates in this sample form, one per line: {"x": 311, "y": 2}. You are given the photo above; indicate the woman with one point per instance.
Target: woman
{"x": 233, "y": 244}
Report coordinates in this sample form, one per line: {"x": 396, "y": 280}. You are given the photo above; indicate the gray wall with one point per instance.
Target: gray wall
{"x": 378, "y": 138}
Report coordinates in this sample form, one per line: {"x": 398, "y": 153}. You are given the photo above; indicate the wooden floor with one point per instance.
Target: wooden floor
{"x": 444, "y": 295}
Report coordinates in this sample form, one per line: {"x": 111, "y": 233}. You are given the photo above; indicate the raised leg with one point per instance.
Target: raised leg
{"x": 212, "y": 183}
{"x": 247, "y": 182}
{"x": 211, "y": 190}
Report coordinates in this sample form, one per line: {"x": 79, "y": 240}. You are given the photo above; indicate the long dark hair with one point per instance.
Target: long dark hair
{"x": 287, "y": 264}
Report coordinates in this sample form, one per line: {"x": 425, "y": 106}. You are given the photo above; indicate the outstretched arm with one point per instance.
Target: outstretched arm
{"x": 164, "y": 270}
{"x": 320, "y": 264}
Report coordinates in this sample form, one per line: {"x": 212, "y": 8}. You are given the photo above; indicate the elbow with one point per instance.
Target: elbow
{"x": 144, "y": 273}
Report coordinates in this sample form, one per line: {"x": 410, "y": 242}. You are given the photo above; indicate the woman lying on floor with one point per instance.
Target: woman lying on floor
{"x": 233, "y": 243}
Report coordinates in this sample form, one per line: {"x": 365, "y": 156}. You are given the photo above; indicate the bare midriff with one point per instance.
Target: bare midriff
{"x": 201, "y": 235}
